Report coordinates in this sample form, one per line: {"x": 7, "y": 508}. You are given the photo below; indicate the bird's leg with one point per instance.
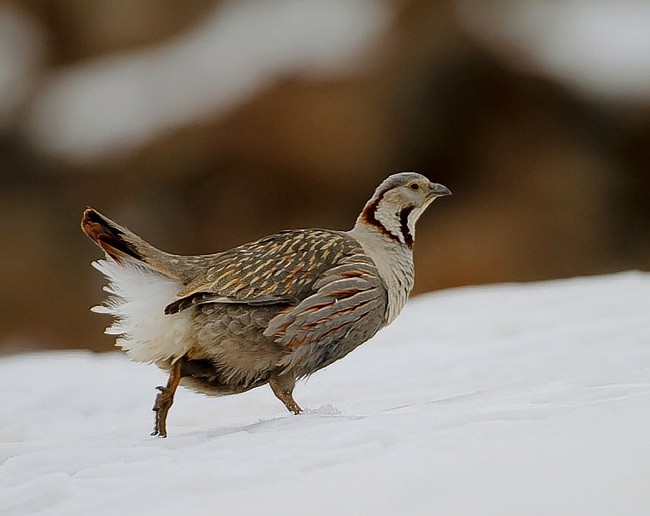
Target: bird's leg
{"x": 165, "y": 398}
{"x": 282, "y": 386}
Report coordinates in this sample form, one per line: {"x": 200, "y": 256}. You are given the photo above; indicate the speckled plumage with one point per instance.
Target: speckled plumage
{"x": 270, "y": 311}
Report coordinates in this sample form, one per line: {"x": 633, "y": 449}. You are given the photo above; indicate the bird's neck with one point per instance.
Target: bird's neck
{"x": 394, "y": 223}
{"x": 387, "y": 239}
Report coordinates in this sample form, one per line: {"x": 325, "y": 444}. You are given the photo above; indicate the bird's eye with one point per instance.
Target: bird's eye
{"x": 415, "y": 186}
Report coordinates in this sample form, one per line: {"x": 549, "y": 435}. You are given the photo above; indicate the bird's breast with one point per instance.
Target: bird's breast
{"x": 394, "y": 264}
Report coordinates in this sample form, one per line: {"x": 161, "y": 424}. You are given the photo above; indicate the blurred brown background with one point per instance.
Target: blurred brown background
{"x": 203, "y": 124}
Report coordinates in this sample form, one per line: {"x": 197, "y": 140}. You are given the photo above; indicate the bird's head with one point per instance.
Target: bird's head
{"x": 398, "y": 203}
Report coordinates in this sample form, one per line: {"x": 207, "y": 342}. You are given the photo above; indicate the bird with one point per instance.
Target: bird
{"x": 272, "y": 311}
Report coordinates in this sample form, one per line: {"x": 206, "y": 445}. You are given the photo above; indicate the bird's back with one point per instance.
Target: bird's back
{"x": 282, "y": 267}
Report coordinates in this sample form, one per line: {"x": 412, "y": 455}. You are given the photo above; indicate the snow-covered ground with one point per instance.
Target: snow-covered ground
{"x": 508, "y": 399}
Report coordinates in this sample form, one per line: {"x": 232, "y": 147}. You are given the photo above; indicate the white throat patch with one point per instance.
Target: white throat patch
{"x": 390, "y": 220}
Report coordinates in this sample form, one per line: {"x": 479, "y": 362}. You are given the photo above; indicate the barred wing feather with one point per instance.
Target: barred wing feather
{"x": 281, "y": 269}
{"x": 346, "y": 295}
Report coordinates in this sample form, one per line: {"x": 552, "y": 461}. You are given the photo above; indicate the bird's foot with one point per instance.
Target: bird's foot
{"x": 282, "y": 387}
{"x": 164, "y": 401}
{"x": 165, "y": 398}
{"x": 292, "y": 406}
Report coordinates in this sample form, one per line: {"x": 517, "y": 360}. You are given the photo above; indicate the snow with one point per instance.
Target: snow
{"x": 21, "y": 55}
{"x": 600, "y": 47}
{"x": 503, "y": 400}
{"x": 114, "y": 103}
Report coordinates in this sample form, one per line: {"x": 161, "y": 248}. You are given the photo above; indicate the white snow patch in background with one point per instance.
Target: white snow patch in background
{"x": 21, "y": 55}
{"x": 601, "y": 47}
{"x": 115, "y": 103}
{"x": 508, "y": 399}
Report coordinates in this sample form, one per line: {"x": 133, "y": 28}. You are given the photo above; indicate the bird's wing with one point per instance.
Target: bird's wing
{"x": 279, "y": 269}
{"x": 347, "y": 298}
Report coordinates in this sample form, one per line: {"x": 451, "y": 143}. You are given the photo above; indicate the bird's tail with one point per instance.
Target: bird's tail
{"x": 121, "y": 244}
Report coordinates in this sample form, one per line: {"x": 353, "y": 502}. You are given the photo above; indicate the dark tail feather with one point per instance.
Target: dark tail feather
{"x": 120, "y": 243}
{"x": 108, "y": 235}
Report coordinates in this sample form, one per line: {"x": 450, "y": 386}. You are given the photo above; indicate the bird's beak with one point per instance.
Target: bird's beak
{"x": 438, "y": 190}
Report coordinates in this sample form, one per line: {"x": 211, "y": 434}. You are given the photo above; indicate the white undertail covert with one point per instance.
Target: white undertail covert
{"x": 137, "y": 299}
